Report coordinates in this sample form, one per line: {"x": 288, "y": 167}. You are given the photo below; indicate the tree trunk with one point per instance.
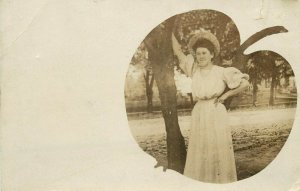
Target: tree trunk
{"x": 255, "y": 88}
{"x": 272, "y": 88}
{"x": 149, "y": 91}
{"x": 149, "y": 101}
{"x": 159, "y": 46}
{"x": 191, "y": 99}
{"x": 286, "y": 81}
{"x": 176, "y": 151}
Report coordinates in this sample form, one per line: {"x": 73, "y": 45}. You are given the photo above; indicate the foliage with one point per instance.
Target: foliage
{"x": 219, "y": 24}
{"x": 263, "y": 64}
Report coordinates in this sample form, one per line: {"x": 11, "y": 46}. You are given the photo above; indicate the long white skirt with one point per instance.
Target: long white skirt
{"x": 210, "y": 156}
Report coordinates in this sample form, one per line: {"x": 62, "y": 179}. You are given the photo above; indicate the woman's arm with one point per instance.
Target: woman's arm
{"x": 185, "y": 62}
{"x": 243, "y": 85}
{"x": 177, "y": 49}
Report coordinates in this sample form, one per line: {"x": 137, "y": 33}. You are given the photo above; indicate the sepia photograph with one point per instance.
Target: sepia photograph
{"x": 101, "y": 95}
{"x": 202, "y": 107}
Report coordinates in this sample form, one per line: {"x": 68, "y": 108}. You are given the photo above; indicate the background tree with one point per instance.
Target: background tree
{"x": 141, "y": 58}
{"x": 258, "y": 68}
{"x": 265, "y": 65}
{"x": 149, "y": 79}
{"x": 279, "y": 69}
{"x": 255, "y": 73}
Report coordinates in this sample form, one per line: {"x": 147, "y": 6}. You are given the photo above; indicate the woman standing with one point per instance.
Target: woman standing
{"x": 210, "y": 156}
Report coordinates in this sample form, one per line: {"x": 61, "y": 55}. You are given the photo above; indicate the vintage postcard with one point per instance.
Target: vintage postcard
{"x": 150, "y": 95}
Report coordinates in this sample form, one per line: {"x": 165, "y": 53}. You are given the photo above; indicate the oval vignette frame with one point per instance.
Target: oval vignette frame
{"x": 270, "y": 73}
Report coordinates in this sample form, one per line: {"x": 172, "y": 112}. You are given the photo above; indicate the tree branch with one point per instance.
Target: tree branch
{"x": 260, "y": 35}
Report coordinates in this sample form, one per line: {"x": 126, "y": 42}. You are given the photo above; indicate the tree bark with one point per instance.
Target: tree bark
{"x": 159, "y": 46}
{"x": 176, "y": 151}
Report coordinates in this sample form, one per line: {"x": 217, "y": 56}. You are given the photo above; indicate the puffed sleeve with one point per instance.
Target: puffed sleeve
{"x": 233, "y": 77}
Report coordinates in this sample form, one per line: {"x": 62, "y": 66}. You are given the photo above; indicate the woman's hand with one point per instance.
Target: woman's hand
{"x": 221, "y": 99}
{"x": 243, "y": 85}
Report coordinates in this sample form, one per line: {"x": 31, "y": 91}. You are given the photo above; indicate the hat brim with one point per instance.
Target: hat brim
{"x": 207, "y": 36}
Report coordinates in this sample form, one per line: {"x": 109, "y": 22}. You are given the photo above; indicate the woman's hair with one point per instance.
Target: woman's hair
{"x": 203, "y": 43}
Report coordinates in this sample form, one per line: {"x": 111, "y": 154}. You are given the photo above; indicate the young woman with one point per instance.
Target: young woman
{"x": 210, "y": 156}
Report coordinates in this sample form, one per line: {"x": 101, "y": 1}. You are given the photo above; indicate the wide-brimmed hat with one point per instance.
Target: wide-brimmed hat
{"x": 207, "y": 36}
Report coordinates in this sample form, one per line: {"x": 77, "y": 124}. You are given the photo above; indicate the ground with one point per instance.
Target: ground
{"x": 258, "y": 137}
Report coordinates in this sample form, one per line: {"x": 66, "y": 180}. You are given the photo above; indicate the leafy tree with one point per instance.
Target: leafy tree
{"x": 141, "y": 58}
{"x": 279, "y": 68}
{"x": 255, "y": 74}
{"x": 268, "y": 65}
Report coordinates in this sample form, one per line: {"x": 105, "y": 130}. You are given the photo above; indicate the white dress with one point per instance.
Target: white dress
{"x": 210, "y": 156}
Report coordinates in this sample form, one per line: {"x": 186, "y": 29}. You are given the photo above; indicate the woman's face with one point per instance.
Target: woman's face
{"x": 203, "y": 56}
